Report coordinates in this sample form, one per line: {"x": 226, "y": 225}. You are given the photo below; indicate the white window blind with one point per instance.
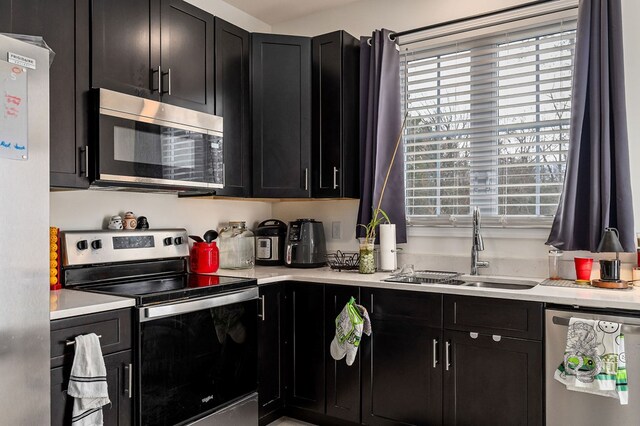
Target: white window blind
{"x": 488, "y": 124}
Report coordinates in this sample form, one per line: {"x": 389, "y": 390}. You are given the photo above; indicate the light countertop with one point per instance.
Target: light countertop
{"x": 68, "y": 303}
{"x": 585, "y": 297}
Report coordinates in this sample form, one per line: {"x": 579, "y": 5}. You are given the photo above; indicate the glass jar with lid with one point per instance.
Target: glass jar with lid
{"x": 237, "y": 246}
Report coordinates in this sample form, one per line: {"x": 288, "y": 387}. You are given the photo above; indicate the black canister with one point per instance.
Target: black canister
{"x": 270, "y": 238}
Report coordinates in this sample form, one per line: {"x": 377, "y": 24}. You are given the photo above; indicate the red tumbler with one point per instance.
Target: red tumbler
{"x": 583, "y": 268}
{"x": 205, "y": 258}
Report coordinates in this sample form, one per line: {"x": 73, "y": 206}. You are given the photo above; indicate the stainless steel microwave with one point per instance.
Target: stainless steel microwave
{"x": 147, "y": 144}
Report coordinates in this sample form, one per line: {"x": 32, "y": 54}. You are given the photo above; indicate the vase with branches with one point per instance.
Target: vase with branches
{"x": 378, "y": 217}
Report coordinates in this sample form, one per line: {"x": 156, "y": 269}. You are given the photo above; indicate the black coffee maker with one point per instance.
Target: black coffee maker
{"x": 610, "y": 243}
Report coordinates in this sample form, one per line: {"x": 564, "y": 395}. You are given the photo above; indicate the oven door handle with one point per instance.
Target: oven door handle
{"x": 156, "y": 312}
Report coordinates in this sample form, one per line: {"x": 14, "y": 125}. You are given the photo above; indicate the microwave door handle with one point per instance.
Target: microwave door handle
{"x": 173, "y": 309}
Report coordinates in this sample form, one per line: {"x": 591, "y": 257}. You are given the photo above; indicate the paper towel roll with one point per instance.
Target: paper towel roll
{"x": 388, "y": 258}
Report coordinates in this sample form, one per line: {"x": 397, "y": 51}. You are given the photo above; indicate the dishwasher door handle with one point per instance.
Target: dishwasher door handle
{"x": 626, "y": 328}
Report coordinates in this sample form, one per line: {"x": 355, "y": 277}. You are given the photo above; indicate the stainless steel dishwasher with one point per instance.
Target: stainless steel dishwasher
{"x": 568, "y": 408}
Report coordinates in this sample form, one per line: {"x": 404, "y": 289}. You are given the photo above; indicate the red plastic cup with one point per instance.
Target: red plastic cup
{"x": 583, "y": 268}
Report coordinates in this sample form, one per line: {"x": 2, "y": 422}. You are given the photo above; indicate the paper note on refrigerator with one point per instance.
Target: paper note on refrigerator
{"x": 14, "y": 135}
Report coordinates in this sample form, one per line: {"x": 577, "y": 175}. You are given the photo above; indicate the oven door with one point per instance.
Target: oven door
{"x": 147, "y": 152}
{"x": 196, "y": 357}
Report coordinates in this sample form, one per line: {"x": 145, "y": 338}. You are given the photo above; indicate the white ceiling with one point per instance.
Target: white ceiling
{"x": 276, "y": 11}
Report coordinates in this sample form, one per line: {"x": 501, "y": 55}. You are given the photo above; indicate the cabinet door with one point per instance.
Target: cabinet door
{"x": 307, "y": 347}
{"x": 232, "y": 103}
{"x": 490, "y": 382}
{"x": 118, "y": 413}
{"x": 187, "y": 56}
{"x": 64, "y": 25}
{"x": 281, "y": 115}
{"x": 271, "y": 350}
{"x": 335, "y": 143}
{"x": 125, "y": 41}
{"x": 342, "y": 381}
{"x": 401, "y": 362}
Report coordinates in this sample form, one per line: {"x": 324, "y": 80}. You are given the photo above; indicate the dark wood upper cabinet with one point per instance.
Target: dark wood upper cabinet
{"x": 157, "y": 49}
{"x": 186, "y": 55}
{"x": 125, "y": 41}
{"x": 307, "y": 348}
{"x": 271, "y": 352}
{"x": 491, "y": 382}
{"x": 232, "y": 103}
{"x": 64, "y": 25}
{"x": 335, "y": 143}
{"x": 402, "y": 361}
{"x": 281, "y": 87}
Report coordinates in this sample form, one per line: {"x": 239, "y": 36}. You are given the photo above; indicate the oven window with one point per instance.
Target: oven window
{"x": 195, "y": 363}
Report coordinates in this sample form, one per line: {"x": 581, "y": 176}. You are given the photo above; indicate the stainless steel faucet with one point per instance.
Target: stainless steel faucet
{"x": 477, "y": 244}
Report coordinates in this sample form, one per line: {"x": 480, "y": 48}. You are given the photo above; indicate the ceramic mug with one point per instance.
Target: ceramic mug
{"x": 129, "y": 221}
{"x": 115, "y": 222}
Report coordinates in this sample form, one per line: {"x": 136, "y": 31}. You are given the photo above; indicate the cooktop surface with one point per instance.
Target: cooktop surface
{"x": 166, "y": 289}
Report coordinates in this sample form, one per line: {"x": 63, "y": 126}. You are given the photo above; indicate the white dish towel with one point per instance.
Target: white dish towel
{"x": 594, "y": 359}
{"x": 88, "y": 382}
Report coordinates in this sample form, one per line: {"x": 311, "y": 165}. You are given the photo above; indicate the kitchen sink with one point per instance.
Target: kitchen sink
{"x": 503, "y": 284}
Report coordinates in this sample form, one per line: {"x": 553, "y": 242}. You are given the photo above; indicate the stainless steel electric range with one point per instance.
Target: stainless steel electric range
{"x": 196, "y": 335}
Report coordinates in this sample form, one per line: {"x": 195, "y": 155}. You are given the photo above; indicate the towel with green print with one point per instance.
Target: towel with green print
{"x": 594, "y": 359}
{"x": 352, "y": 321}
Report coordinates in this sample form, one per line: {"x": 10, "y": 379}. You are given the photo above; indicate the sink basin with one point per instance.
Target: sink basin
{"x": 503, "y": 284}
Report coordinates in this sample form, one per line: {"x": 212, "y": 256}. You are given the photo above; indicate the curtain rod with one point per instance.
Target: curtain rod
{"x": 394, "y": 36}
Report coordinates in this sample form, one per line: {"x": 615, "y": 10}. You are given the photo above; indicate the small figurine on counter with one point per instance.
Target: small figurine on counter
{"x": 129, "y": 221}
{"x": 143, "y": 223}
{"x": 115, "y": 222}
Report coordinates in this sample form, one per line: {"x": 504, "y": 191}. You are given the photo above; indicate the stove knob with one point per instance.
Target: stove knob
{"x": 96, "y": 244}
{"x": 82, "y": 245}
{"x": 177, "y": 241}
{"x": 167, "y": 241}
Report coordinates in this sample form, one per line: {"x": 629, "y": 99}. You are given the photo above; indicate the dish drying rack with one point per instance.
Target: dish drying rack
{"x": 425, "y": 277}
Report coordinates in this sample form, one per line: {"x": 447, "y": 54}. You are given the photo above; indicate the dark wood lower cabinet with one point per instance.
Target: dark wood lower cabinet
{"x": 491, "y": 382}
{"x": 342, "y": 381}
{"x": 271, "y": 352}
{"x": 118, "y": 413}
{"x": 402, "y": 362}
{"x": 306, "y": 348}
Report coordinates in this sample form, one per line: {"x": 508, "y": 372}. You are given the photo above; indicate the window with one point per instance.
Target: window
{"x": 488, "y": 123}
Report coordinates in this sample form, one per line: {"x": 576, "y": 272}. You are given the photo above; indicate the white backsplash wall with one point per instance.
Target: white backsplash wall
{"x": 87, "y": 210}
{"x": 513, "y": 252}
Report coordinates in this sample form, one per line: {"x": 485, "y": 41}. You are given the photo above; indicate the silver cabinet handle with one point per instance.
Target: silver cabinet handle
{"x": 84, "y": 171}
{"x": 224, "y": 175}
{"x": 496, "y": 337}
{"x": 306, "y": 179}
{"x": 128, "y": 389}
{"x": 162, "y": 74}
{"x": 261, "y": 314}
{"x": 159, "y": 71}
{"x": 169, "y": 75}
{"x": 447, "y": 356}
{"x": 473, "y": 335}
{"x": 335, "y": 178}
{"x": 73, "y": 342}
{"x": 435, "y": 352}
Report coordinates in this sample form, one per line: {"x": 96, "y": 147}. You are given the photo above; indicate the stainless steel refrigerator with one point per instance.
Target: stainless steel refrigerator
{"x": 24, "y": 233}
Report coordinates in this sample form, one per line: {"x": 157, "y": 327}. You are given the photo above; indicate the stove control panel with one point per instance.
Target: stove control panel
{"x": 98, "y": 247}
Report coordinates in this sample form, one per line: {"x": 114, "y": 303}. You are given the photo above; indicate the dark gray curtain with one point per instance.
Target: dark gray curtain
{"x": 597, "y": 189}
{"x": 380, "y": 123}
